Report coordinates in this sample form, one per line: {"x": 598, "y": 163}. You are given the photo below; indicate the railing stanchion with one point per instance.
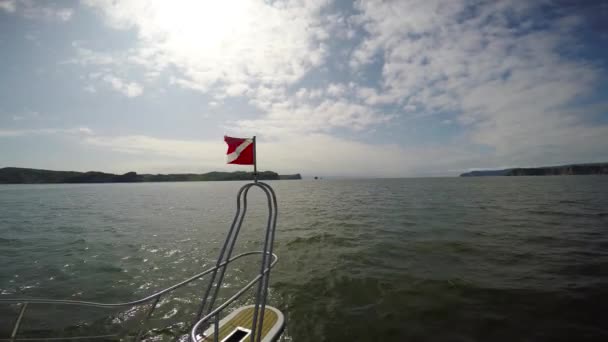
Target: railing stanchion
{"x": 148, "y": 315}
{"x": 263, "y": 278}
{"x": 216, "y": 325}
{"x": 18, "y": 322}
{"x": 206, "y": 310}
{"x": 155, "y": 297}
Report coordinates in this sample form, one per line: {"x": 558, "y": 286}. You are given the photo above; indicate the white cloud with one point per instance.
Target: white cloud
{"x": 237, "y": 89}
{"x": 336, "y": 89}
{"x": 84, "y": 130}
{"x": 26, "y": 115}
{"x": 108, "y": 63}
{"x": 8, "y": 5}
{"x": 181, "y": 155}
{"x": 312, "y": 154}
{"x": 85, "y": 56}
{"x": 133, "y": 89}
{"x": 308, "y": 112}
{"x": 36, "y": 10}
{"x": 48, "y": 13}
{"x": 496, "y": 70}
{"x": 507, "y": 83}
{"x": 129, "y": 89}
{"x": 232, "y": 45}
{"x": 256, "y": 50}
{"x": 140, "y": 144}
{"x": 371, "y": 96}
{"x": 44, "y": 131}
{"x": 90, "y": 89}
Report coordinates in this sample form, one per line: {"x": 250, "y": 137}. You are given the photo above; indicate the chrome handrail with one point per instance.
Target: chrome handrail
{"x": 197, "y": 325}
{"x": 262, "y": 279}
{"x": 135, "y": 302}
{"x": 155, "y": 296}
{"x": 206, "y": 309}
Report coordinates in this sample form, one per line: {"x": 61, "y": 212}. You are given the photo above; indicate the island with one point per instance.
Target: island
{"x": 562, "y": 170}
{"x": 18, "y": 175}
{"x": 290, "y": 177}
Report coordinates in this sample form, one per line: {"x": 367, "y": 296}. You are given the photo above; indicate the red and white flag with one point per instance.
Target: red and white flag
{"x": 240, "y": 150}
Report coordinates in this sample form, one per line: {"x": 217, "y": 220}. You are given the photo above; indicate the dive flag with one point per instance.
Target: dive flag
{"x": 240, "y": 150}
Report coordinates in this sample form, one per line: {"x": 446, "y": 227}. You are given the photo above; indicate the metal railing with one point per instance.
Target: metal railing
{"x": 206, "y": 312}
{"x": 262, "y": 278}
{"x": 154, "y": 298}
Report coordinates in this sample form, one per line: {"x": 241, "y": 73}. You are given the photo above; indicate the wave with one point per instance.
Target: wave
{"x": 322, "y": 238}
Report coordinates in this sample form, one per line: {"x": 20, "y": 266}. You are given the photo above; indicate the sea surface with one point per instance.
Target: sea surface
{"x": 428, "y": 259}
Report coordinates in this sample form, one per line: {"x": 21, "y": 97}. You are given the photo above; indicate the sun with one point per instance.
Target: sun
{"x": 201, "y": 25}
{"x": 231, "y": 45}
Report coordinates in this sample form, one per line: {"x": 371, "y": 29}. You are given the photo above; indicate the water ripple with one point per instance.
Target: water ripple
{"x": 500, "y": 259}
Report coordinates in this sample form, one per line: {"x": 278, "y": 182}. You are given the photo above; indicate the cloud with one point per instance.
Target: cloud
{"x": 36, "y": 10}
{"x": 26, "y": 115}
{"x": 109, "y": 63}
{"x": 163, "y": 155}
{"x": 86, "y": 57}
{"x": 371, "y": 96}
{"x": 495, "y": 71}
{"x": 44, "y": 131}
{"x": 129, "y": 89}
{"x": 308, "y": 113}
{"x": 175, "y": 148}
{"x": 90, "y": 89}
{"x": 232, "y": 45}
{"x": 336, "y": 89}
{"x": 308, "y": 110}
{"x": 47, "y": 13}
{"x": 9, "y": 6}
{"x": 496, "y": 67}
{"x": 312, "y": 154}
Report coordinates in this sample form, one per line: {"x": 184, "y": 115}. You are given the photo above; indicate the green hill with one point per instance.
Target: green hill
{"x": 16, "y": 175}
{"x": 562, "y": 170}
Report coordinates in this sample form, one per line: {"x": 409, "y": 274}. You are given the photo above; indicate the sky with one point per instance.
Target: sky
{"x": 330, "y": 88}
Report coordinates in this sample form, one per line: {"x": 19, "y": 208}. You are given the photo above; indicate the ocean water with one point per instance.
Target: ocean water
{"x": 435, "y": 259}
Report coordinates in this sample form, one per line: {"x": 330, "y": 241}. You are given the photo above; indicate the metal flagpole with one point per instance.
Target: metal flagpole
{"x": 255, "y": 162}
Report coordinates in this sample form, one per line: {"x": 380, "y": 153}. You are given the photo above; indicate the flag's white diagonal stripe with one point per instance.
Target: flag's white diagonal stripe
{"x": 237, "y": 152}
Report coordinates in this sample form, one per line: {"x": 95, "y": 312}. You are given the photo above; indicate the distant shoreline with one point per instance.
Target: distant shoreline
{"x": 17, "y": 175}
{"x": 562, "y": 170}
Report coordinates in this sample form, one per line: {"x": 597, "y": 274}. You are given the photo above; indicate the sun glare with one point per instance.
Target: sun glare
{"x": 208, "y": 25}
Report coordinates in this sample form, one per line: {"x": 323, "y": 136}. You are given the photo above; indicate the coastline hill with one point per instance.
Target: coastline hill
{"x": 563, "y": 170}
{"x": 17, "y": 175}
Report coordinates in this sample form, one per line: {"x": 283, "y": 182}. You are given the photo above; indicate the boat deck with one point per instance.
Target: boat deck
{"x": 243, "y": 318}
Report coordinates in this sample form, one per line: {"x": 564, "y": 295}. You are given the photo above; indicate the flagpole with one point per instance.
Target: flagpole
{"x": 255, "y": 163}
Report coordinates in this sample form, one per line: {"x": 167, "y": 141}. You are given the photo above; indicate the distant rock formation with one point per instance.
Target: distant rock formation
{"x": 16, "y": 175}
{"x": 482, "y": 173}
{"x": 290, "y": 177}
{"x": 563, "y": 170}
